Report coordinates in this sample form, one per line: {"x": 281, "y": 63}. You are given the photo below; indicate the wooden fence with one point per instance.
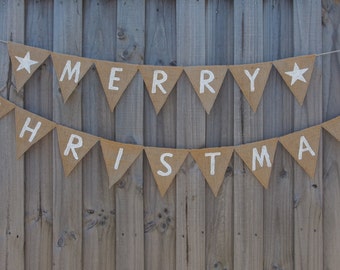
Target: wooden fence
{"x": 49, "y": 221}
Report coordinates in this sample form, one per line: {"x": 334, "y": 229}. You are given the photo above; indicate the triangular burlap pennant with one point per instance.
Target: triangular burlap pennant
{"x": 118, "y": 158}
{"x": 5, "y": 107}
{"x": 25, "y": 61}
{"x": 207, "y": 82}
{"x": 30, "y": 128}
{"x": 70, "y": 70}
{"x": 252, "y": 79}
{"x": 213, "y": 163}
{"x": 115, "y": 78}
{"x": 165, "y": 163}
{"x": 296, "y": 72}
{"x": 259, "y": 158}
{"x": 304, "y": 147}
{"x": 159, "y": 82}
{"x": 333, "y": 127}
{"x": 73, "y": 146}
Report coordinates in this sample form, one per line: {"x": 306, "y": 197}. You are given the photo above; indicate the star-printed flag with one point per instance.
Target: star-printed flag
{"x": 159, "y": 82}
{"x": 5, "y": 107}
{"x": 30, "y": 128}
{"x": 207, "y": 82}
{"x": 25, "y": 61}
{"x": 333, "y": 127}
{"x": 213, "y": 163}
{"x": 259, "y": 158}
{"x": 70, "y": 70}
{"x": 252, "y": 79}
{"x": 296, "y": 72}
{"x": 118, "y": 158}
{"x": 115, "y": 78}
{"x": 165, "y": 163}
{"x": 304, "y": 147}
{"x": 73, "y": 146}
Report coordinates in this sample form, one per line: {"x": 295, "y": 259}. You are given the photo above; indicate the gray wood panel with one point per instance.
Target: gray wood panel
{"x": 159, "y": 130}
{"x": 67, "y": 191}
{"x": 11, "y": 170}
{"x": 39, "y": 159}
{"x": 98, "y": 200}
{"x": 190, "y": 184}
{"x": 129, "y": 129}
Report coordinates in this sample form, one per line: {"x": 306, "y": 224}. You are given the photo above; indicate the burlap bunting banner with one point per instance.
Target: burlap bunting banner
{"x": 118, "y": 158}
{"x": 25, "y": 61}
{"x": 73, "y": 146}
{"x": 333, "y": 127}
{"x": 207, "y": 82}
{"x": 115, "y": 78}
{"x": 159, "y": 82}
{"x": 5, "y": 107}
{"x": 296, "y": 72}
{"x": 165, "y": 164}
{"x": 259, "y": 158}
{"x": 304, "y": 147}
{"x": 30, "y": 128}
{"x": 252, "y": 79}
{"x": 70, "y": 70}
{"x": 213, "y": 163}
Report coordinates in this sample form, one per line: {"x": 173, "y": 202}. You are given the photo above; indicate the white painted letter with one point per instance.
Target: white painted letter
{"x": 119, "y": 157}
{"x": 212, "y": 161}
{"x": 27, "y": 128}
{"x": 260, "y": 159}
{"x": 205, "y": 82}
{"x": 304, "y": 147}
{"x": 113, "y": 78}
{"x": 70, "y": 72}
{"x": 158, "y": 82}
{"x": 166, "y": 165}
{"x": 72, "y": 146}
{"x": 252, "y": 78}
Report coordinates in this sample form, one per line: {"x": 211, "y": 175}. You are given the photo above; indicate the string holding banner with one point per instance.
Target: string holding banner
{"x": 160, "y": 80}
{"x": 259, "y": 156}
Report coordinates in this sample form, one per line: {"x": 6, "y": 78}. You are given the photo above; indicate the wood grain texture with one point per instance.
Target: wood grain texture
{"x": 67, "y": 191}
{"x": 308, "y": 195}
{"x": 39, "y": 159}
{"x": 190, "y": 185}
{"x": 248, "y": 126}
{"x": 160, "y": 131}
{"x": 331, "y": 150}
{"x": 278, "y": 119}
{"x": 129, "y": 129}
{"x": 219, "y": 130}
{"x": 98, "y": 200}
{"x": 11, "y": 170}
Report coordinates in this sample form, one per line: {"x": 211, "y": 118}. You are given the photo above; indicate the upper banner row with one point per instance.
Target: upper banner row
{"x": 160, "y": 80}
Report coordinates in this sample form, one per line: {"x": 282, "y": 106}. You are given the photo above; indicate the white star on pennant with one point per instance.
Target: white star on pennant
{"x": 26, "y": 62}
{"x": 297, "y": 74}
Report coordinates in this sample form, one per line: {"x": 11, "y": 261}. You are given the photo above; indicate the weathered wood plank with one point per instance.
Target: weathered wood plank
{"x": 190, "y": 185}
{"x": 331, "y": 148}
{"x": 98, "y": 200}
{"x": 160, "y": 131}
{"x": 67, "y": 191}
{"x": 39, "y": 159}
{"x": 11, "y": 170}
{"x": 248, "y": 126}
{"x": 278, "y": 115}
{"x": 220, "y": 123}
{"x": 129, "y": 129}
{"x": 308, "y": 252}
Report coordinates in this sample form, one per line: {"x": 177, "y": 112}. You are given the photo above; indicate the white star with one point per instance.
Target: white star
{"x": 297, "y": 74}
{"x": 26, "y": 62}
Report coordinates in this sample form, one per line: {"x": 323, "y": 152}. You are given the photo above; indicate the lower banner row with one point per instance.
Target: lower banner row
{"x": 258, "y": 156}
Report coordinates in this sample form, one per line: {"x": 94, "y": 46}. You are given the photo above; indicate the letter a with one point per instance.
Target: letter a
{"x": 304, "y": 147}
